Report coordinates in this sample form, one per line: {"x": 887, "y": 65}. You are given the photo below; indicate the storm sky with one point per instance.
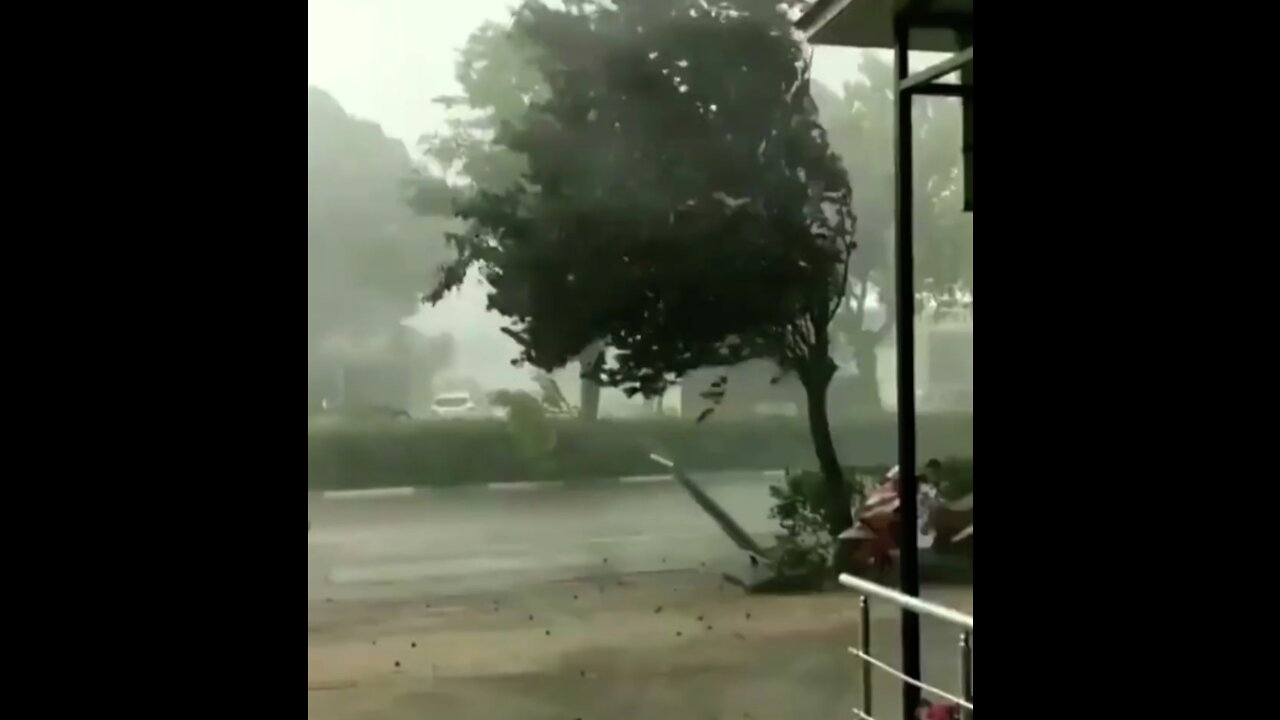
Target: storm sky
{"x": 385, "y": 60}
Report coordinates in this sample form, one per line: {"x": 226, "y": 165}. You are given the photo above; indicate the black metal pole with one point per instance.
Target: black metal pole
{"x": 905, "y": 294}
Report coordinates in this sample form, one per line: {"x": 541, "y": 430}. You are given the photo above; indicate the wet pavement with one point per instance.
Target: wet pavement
{"x": 664, "y": 646}
{"x": 600, "y": 602}
{"x": 470, "y": 539}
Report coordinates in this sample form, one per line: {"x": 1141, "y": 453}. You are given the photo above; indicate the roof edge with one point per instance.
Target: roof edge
{"x": 819, "y": 14}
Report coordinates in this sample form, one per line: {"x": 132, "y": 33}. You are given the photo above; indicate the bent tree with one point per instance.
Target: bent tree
{"x": 681, "y": 204}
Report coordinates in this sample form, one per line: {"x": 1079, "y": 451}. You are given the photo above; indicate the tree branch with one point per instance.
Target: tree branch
{"x": 860, "y": 308}
{"x": 838, "y": 301}
{"x": 794, "y": 345}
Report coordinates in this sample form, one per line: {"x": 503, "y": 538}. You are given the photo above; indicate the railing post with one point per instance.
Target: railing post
{"x": 917, "y": 607}
{"x": 864, "y": 616}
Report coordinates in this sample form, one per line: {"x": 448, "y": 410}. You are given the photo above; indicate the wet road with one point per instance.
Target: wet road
{"x": 508, "y": 641}
{"x": 472, "y": 539}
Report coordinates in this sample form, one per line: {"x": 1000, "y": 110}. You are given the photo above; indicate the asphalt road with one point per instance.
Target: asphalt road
{"x": 474, "y": 539}
{"x": 498, "y": 604}
{"x": 674, "y": 645}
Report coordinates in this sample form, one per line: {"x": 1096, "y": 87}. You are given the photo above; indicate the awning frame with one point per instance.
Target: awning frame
{"x": 915, "y": 15}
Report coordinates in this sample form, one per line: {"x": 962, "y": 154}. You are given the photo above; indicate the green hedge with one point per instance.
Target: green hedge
{"x": 353, "y": 455}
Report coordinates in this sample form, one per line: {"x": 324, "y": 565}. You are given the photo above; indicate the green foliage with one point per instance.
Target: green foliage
{"x": 498, "y": 77}
{"x": 676, "y": 167}
{"x": 955, "y": 479}
{"x": 681, "y": 204}
{"x": 368, "y": 256}
{"x": 801, "y": 509}
{"x": 356, "y": 455}
{"x": 532, "y": 431}
{"x": 803, "y": 490}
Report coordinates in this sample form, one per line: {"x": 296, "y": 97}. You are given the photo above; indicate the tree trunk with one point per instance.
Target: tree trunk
{"x": 589, "y": 396}
{"x": 864, "y": 354}
{"x": 589, "y": 403}
{"x": 839, "y": 511}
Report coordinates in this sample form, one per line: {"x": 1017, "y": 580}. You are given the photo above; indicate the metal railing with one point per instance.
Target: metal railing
{"x": 868, "y": 590}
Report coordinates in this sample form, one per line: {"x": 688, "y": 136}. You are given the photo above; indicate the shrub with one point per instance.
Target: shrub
{"x": 956, "y": 478}
{"x": 367, "y": 454}
{"x": 800, "y": 505}
{"x": 533, "y": 433}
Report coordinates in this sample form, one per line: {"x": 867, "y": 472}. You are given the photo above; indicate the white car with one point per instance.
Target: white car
{"x": 454, "y": 405}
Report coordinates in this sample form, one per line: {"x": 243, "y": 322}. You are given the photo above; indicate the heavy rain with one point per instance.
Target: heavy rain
{"x": 603, "y": 362}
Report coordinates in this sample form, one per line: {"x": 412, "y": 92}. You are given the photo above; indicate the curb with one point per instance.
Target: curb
{"x": 399, "y": 492}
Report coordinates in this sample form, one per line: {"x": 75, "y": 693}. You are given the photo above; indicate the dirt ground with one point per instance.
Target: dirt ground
{"x": 662, "y": 646}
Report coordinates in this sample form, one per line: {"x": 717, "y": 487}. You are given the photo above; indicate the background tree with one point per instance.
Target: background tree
{"x": 499, "y": 80}
{"x": 860, "y": 126}
{"x": 368, "y": 256}
{"x": 531, "y": 430}
{"x": 551, "y": 396}
{"x": 433, "y": 356}
{"x": 681, "y": 203}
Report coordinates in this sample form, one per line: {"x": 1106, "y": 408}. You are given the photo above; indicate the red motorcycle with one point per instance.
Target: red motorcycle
{"x": 945, "y": 528}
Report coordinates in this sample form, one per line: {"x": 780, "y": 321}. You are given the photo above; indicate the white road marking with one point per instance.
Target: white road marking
{"x": 526, "y": 485}
{"x": 377, "y": 493}
{"x": 661, "y": 460}
{"x": 619, "y": 538}
{"x": 641, "y": 537}
{"x": 367, "y": 494}
{"x": 640, "y": 479}
{"x": 447, "y": 610}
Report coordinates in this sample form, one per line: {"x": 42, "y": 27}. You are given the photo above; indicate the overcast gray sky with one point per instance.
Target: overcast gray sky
{"x": 384, "y": 60}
